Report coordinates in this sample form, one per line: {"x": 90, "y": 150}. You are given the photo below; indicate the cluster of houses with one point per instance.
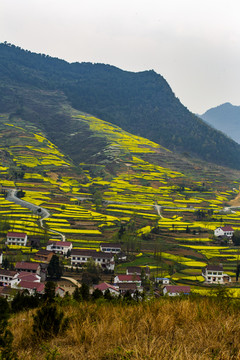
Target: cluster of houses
{"x": 31, "y": 275}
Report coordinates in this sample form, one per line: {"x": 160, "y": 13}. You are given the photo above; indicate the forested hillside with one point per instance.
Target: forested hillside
{"x": 35, "y": 87}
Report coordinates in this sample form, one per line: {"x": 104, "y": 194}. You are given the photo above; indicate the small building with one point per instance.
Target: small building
{"x": 1, "y": 258}
{"x": 59, "y": 247}
{"x": 43, "y": 255}
{"x": 7, "y": 277}
{"x": 213, "y": 274}
{"x": 32, "y": 287}
{"x": 59, "y": 291}
{"x": 137, "y": 270}
{"x": 31, "y": 267}
{"x": 225, "y": 231}
{"x": 176, "y": 290}
{"x": 110, "y": 248}
{"x": 163, "y": 281}
{"x": 81, "y": 257}
{"x": 127, "y": 279}
{"x": 15, "y": 238}
{"x": 105, "y": 286}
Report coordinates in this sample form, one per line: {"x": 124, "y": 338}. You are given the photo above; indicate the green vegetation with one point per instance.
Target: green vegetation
{"x": 39, "y": 89}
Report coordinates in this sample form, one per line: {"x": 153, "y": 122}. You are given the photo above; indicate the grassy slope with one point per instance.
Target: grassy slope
{"x": 176, "y": 329}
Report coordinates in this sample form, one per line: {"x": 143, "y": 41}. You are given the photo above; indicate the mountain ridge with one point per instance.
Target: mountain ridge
{"x": 141, "y": 103}
{"x": 226, "y": 118}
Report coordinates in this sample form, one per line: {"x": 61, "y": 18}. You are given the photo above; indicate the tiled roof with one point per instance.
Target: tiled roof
{"x": 227, "y": 228}
{"x": 130, "y": 278}
{"x": 32, "y": 285}
{"x": 127, "y": 286}
{"x": 178, "y": 289}
{"x": 28, "y": 277}
{"x": 214, "y": 267}
{"x": 16, "y": 234}
{"x": 111, "y": 245}
{"x": 27, "y": 265}
{"x": 91, "y": 253}
{"x": 7, "y": 272}
{"x": 60, "y": 243}
{"x": 104, "y": 286}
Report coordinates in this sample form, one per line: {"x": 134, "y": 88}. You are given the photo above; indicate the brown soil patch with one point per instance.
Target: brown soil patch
{"x": 236, "y": 201}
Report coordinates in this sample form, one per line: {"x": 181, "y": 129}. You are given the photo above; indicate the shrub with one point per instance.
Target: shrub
{"x": 49, "y": 321}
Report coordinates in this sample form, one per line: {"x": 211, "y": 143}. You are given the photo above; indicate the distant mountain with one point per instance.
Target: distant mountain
{"x": 226, "y": 118}
{"x": 40, "y": 89}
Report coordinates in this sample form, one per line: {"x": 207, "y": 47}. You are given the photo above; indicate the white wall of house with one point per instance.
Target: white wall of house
{"x": 15, "y": 240}
{"x": 215, "y": 277}
{"x": 78, "y": 260}
{"x": 59, "y": 249}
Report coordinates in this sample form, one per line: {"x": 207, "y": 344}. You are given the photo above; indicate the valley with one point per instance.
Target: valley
{"x": 162, "y": 208}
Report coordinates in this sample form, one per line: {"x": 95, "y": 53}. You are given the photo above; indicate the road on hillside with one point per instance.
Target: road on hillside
{"x": 38, "y": 210}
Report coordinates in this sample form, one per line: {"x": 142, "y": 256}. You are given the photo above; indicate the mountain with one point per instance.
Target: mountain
{"x": 225, "y": 117}
{"x": 44, "y": 90}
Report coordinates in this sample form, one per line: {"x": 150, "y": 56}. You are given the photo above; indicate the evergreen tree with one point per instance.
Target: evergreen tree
{"x": 49, "y": 321}
{"x": 54, "y": 268}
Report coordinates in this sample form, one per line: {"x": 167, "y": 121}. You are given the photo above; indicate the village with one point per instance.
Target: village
{"x": 31, "y": 276}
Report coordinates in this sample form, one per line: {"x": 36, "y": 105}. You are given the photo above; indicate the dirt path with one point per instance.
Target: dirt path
{"x": 236, "y": 201}
{"x": 12, "y": 196}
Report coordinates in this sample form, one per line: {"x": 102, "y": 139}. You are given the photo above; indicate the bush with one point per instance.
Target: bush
{"x": 49, "y": 321}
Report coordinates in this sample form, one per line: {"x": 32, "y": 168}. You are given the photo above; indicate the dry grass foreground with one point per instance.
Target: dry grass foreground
{"x": 179, "y": 329}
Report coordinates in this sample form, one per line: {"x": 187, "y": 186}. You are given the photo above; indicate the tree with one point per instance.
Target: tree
{"x": 54, "y": 268}
{"x": 6, "y": 337}
{"x": 77, "y": 294}
{"x": 49, "y": 321}
{"x": 84, "y": 291}
{"x": 97, "y": 294}
{"x": 49, "y": 291}
{"x": 236, "y": 238}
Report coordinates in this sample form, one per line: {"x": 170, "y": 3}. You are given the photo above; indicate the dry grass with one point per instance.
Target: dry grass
{"x": 183, "y": 329}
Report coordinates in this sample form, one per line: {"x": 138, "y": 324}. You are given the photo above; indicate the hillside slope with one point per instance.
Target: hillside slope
{"x": 35, "y": 87}
{"x": 226, "y": 118}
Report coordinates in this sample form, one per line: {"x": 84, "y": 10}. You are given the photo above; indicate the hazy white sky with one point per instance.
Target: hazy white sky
{"x": 194, "y": 44}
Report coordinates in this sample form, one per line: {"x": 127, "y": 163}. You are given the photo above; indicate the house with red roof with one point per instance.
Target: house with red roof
{"x": 225, "y": 231}
{"x": 30, "y": 267}
{"x": 127, "y": 279}
{"x": 16, "y": 238}
{"x": 105, "y": 286}
{"x": 176, "y": 290}
{"x": 32, "y": 286}
{"x": 59, "y": 247}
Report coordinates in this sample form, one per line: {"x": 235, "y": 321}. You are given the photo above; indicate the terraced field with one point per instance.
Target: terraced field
{"x": 164, "y": 216}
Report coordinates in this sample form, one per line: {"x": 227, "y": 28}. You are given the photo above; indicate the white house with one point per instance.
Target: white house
{"x": 137, "y": 270}
{"x": 8, "y": 277}
{"x": 110, "y": 248}
{"x": 1, "y": 258}
{"x": 15, "y": 238}
{"x": 80, "y": 257}
{"x": 225, "y": 231}
{"x": 163, "y": 281}
{"x": 213, "y": 274}
{"x": 59, "y": 247}
{"x": 127, "y": 279}
{"x": 176, "y": 290}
